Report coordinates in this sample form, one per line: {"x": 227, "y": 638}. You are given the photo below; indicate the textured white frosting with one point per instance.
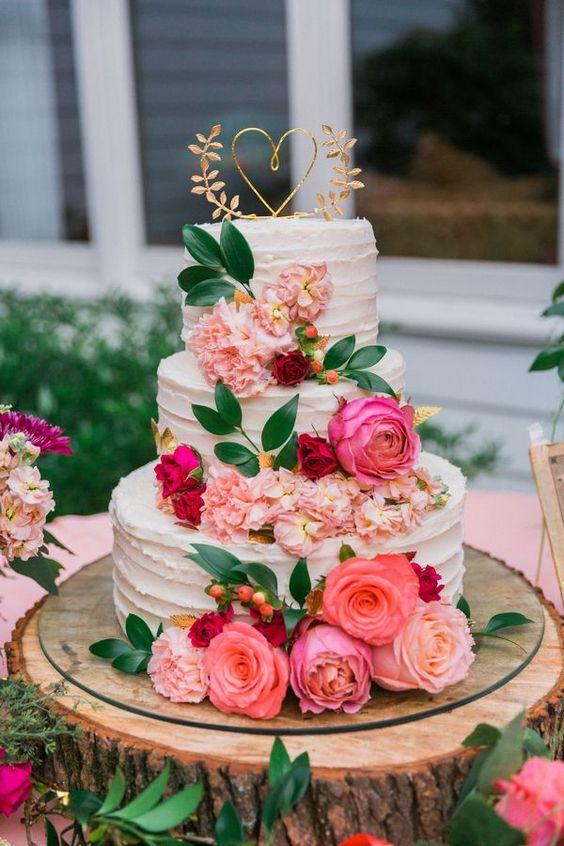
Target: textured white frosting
{"x": 181, "y": 383}
{"x": 153, "y": 577}
{"x": 349, "y": 250}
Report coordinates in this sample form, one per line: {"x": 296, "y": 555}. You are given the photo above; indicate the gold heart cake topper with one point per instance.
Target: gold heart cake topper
{"x": 209, "y": 184}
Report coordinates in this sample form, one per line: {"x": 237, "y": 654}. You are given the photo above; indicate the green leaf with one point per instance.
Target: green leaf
{"x": 366, "y": 357}
{"x": 49, "y": 538}
{"x": 548, "y": 358}
{"x": 300, "y": 582}
{"x": 147, "y": 799}
{"x": 160, "y": 630}
{"x": 477, "y": 824}
{"x": 110, "y": 647}
{"x": 534, "y": 744}
{"x": 463, "y": 606}
{"x": 41, "y": 570}
{"x": 210, "y": 420}
{"x": 51, "y": 836}
{"x": 83, "y": 804}
{"x": 228, "y": 405}
{"x": 558, "y": 291}
{"x": 339, "y": 353}
{"x": 483, "y": 735}
{"x": 202, "y": 246}
{"x": 114, "y": 795}
{"x": 208, "y": 292}
{"x": 237, "y": 255}
{"x": 132, "y": 662}
{"x": 555, "y": 310}
{"x": 369, "y": 381}
{"x": 217, "y": 562}
{"x": 249, "y": 468}
{"x": 279, "y": 763}
{"x": 172, "y": 811}
{"x": 261, "y": 574}
{"x": 139, "y": 632}
{"x": 506, "y": 620}
{"x": 346, "y": 552}
{"x": 232, "y": 453}
{"x": 228, "y": 830}
{"x": 292, "y": 617}
{"x": 288, "y": 455}
{"x": 506, "y": 757}
{"x": 289, "y": 789}
{"x": 191, "y": 276}
{"x": 469, "y": 785}
{"x": 280, "y": 425}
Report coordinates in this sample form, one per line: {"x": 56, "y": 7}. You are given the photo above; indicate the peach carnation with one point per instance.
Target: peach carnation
{"x": 432, "y": 651}
{"x": 371, "y": 598}
{"x": 177, "y": 668}
{"x": 233, "y": 504}
{"x": 533, "y": 800}
{"x": 306, "y": 289}
{"x": 247, "y": 674}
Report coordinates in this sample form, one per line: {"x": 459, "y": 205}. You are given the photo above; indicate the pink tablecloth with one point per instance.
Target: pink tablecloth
{"x": 507, "y": 525}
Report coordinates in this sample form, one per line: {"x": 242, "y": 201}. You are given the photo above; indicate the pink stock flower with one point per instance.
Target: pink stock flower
{"x": 533, "y": 801}
{"x": 373, "y": 439}
{"x": 26, "y": 484}
{"x": 233, "y": 504}
{"x": 371, "y": 598}
{"x": 432, "y": 651}
{"x": 247, "y": 674}
{"x": 179, "y": 471}
{"x": 272, "y": 313}
{"x": 299, "y": 534}
{"x": 282, "y": 488}
{"x": 9, "y": 459}
{"x": 40, "y": 433}
{"x": 177, "y": 668}
{"x": 208, "y": 626}
{"x": 306, "y": 289}
{"x": 330, "y": 670}
{"x": 377, "y": 519}
{"x": 15, "y": 784}
{"x": 328, "y": 501}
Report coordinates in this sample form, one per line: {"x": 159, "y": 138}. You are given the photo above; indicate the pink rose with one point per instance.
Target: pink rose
{"x": 371, "y": 598}
{"x": 430, "y": 585}
{"x": 330, "y": 670}
{"x": 173, "y": 470}
{"x": 533, "y": 800}
{"x": 306, "y": 289}
{"x": 188, "y": 505}
{"x": 373, "y": 439}
{"x": 208, "y": 626}
{"x": 15, "y": 785}
{"x": 432, "y": 651}
{"x": 247, "y": 675}
{"x": 177, "y": 668}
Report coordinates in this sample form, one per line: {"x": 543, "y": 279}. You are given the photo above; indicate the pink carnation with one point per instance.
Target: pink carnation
{"x": 232, "y": 346}
{"x": 233, "y": 504}
{"x": 330, "y": 670}
{"x": 533, "y": 800}
{"x": 306, "y": 289}
{"x": 177, "y": 668}
{"x": 432, "y": 651}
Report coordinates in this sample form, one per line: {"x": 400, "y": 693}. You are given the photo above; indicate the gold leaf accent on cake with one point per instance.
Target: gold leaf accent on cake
{"x": 322, "y": 341}
{"x": 314, "y": 602}
{"x": 165, "y": 440}
{"x": 265, "y": 535}
{"x": 425, "y": 412}
{"x": 266, "y": 459}
{"x": 241, "y": 297}
{"x": 182, "y": 621}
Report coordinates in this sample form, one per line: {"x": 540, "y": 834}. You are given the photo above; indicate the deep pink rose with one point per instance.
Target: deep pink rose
{"x": 174, "y": 469}
{"x": 15, "y": 785}
{"x": 371, "y": 598}
{"x": 533, "y": 800}
{"x": 188, "y": 505}
{"x": 273, "y": 630}
{"x": 330, "y": 670}
{"x": 315, "y": 456}
{"x": 291, "y": 368}
{"x": 430, "y": 585}
{"x": 373, "y": 439}
{"x": 206, "y": 627}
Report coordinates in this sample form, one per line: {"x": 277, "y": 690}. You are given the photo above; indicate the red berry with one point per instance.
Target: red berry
{"x": 266, "y": 610}
{"x": 245, "y": 593}
{"x": 259, "y": 598}
{"x": 311, "y": 331}
{"x": 216, "y": 591}
{"x": 332, "y": 377}
{"x": 317, "y": 366}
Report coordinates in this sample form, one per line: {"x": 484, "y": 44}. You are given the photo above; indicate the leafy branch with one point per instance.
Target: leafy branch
{"x": 552, "y": 356}
{"x": 130, "y": 657}
{"x": 207, "y": 181}
{"x": 338, "y": 147}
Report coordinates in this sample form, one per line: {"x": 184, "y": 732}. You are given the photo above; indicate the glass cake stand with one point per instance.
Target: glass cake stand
{"x": 83, "y": 612}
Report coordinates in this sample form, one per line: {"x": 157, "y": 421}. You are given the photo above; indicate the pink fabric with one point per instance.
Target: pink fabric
{"x": 507, "y": 525}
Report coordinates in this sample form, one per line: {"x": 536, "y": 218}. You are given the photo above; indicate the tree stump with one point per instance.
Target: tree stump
{"x": 393, "y": 770}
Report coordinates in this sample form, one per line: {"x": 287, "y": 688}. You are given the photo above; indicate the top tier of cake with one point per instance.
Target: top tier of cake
{"x": 346, "y": 246}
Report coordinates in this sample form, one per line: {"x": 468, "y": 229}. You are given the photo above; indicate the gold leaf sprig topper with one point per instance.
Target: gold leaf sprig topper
{"x": 208, "y": 182}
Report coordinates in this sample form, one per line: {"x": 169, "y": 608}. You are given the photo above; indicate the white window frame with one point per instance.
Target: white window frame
{"x": 484, "y": 300}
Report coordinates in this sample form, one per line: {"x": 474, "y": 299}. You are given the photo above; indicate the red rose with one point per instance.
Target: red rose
{"x": 315, "y": 456}
{"x": 274, "y": 630}
{"x": 206, "y": 627}
{"x": 291, "y": 368}
{"x": 188, "y": 505}
{"x": 174, "y": 471}
{"x": 15, "y": 784}
{"x": 430, "y": 585}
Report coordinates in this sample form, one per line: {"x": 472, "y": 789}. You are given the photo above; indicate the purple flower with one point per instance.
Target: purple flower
{"x": 40, "y": 433}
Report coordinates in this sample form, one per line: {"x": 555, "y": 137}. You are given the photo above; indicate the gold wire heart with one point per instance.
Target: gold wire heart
{"x": 274, "y": 162}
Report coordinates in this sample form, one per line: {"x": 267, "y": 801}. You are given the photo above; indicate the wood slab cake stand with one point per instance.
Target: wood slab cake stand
{"x": 399, "y": 781}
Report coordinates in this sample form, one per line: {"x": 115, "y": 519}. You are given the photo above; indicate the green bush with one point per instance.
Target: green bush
{"x": 91, "y": 368}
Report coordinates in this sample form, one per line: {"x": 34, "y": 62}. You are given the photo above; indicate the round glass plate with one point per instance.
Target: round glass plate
{"x": 83, "y": 612}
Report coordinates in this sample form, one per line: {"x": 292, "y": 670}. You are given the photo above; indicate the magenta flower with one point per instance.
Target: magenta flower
{"x": 40, "y": 433}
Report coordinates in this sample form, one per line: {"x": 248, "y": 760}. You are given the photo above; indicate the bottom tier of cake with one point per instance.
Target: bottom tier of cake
{"x": 154, "y": 579}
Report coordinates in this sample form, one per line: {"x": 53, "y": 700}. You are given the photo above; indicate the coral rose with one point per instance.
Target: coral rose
{"x": 315, "y": 456}
{"x": 208, "y": 626}
{"x": 533, "y": 800}
{"x": 330, "y": 670}
{"x": 432, "y": 651}
{"x": 291, "y": 368}
{"x": 174, "y": 470}
{"x": 15, "y": 784}
{"x": 247, "y": 674}
{"x": 371, "y": 598}
{"x": 364, "y": 840}
{"x": 373, "y": 439}
{"x": 177, "y": 668}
